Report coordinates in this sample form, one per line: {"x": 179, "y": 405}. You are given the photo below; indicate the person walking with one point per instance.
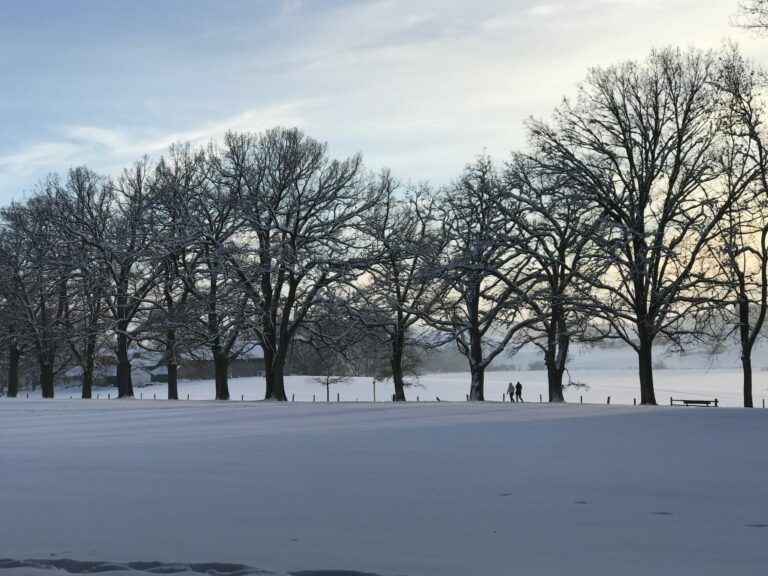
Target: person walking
{"x": 511, "y": 392}
{"x": 518, "y": 392}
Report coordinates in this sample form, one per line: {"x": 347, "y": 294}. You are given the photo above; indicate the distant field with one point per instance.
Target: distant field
{"x": 620, "y": 385}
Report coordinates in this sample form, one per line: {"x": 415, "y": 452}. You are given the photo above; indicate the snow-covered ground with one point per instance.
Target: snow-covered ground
{"x": 621, "y": 385}
{"x": 150, "y": 486}
{"x": 428, "y": 489}
{"x": 607, "y": 371}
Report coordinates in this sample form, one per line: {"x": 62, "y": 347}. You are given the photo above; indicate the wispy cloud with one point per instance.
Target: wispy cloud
{"x": 110, "y": 147}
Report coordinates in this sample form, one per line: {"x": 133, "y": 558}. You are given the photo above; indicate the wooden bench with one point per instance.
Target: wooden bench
{"x": 680, "y": 401}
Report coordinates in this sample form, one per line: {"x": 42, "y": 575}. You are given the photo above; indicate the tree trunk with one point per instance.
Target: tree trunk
{"x": 556, "y": 354}
{"x": 476, "y": 367}
{"x": 555, "y": 371}
{"x": 88, "y": 367}
{"x": 645, "y": 362}
{"x": 221, "y": 368}
{"x": 555, "y": 381}
{"x": 746, "y": 364}
{"x": 278, "y": 386}
{"x": 397, "y": 369}
{"x": 170, "y": 364}
{"x": 14, "y": 358}
{"x": 275, "y": 371}
{"x": 268, "y": 346}
{"x": 46, "y": 377}
{"x": 477, "y": 388}
{"x": 173, "y": 381}
{"x": 124, "y": 384}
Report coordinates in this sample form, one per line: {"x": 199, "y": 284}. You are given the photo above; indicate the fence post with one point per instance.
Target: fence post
{"x": 313, "y": 397}
{"x": 540, "y": 400}
{"x": 338, "y": 397}
{"x": 293, "y": 397}
{"x": 763, "y": 402}
{"x": 467, "y": 397}
{"x": 670, "y": 400}
{"x": 609, "y": 399}
{"x": 715, "y": 402}
{"x": 187, "y": 396}
{"x": 634, "y": 401}
{"x": 141, "y": 396}
{"x": 242, "y": 397}
{"x": 154, "y": 396}
{"x": 109, "y": 396}
{"x": 581, "y": 399}
{"x": 417, "y": 399}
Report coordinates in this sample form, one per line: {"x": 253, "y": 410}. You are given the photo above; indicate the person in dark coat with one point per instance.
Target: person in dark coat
{"x": 511, "y": 392}
{"x": 519, "y": 392}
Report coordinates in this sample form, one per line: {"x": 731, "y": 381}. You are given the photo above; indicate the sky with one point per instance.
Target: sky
{"x": 419, "y": 86}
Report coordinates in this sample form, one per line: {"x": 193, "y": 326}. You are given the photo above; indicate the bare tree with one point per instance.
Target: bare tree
{"x": 638, "y": 145}
{"x": 82, "y": 213}
{"x": 301, "y": 208}
{"x": 753, "y": 15}
{"x": 129, "y": 258}
{"x": 211, "y": 217}
{"x": 32, "y": 259}
{"x": 394, "y": 284}
{"x": 742, "y": 251}
{"x": 180, "y": 179}
{"x": 481, "y": 282}
{"x": 557, "y": 230}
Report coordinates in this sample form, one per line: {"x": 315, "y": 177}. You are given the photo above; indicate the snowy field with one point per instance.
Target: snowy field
{"x": 621, "y": 385}
{"x": 353, "y": 488}
{"x": 608, "y": 372}
{"x": 429, "y": 489}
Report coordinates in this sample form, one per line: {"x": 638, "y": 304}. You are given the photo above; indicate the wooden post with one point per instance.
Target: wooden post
{"x": 109, "y": 396}
{"x": 467, "y": 397}
{"x": 374, "y": 389}
{"x": 417, "y": 399}
{"x": 141, "y": 396}
{"x": 609, "y": 399}
{"x": 763, "y": 402}
{"x": 154, "y": 396}
{"x": 187, "y": 396}
{"x": 581, "y": 399}
{"x": 715, "y": 402}
{"x": 338, "y": 397}
{"x": 634, "y": 401}
{"x": 242, "y": 397}
{"x": 540, "y": 400}
{"x": 313, "y": 397}
{"x": 670, "y": 400}
{"x": 293, "y": 397}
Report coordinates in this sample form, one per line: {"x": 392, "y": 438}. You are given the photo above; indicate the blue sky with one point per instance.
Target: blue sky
{"x": 420, "y": 86}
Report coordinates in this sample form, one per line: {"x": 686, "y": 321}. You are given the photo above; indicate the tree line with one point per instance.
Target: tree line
{"x": 637, "y": 212}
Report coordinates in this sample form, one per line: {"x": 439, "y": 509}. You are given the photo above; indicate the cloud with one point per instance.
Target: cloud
{"x": 107, "y": 148}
